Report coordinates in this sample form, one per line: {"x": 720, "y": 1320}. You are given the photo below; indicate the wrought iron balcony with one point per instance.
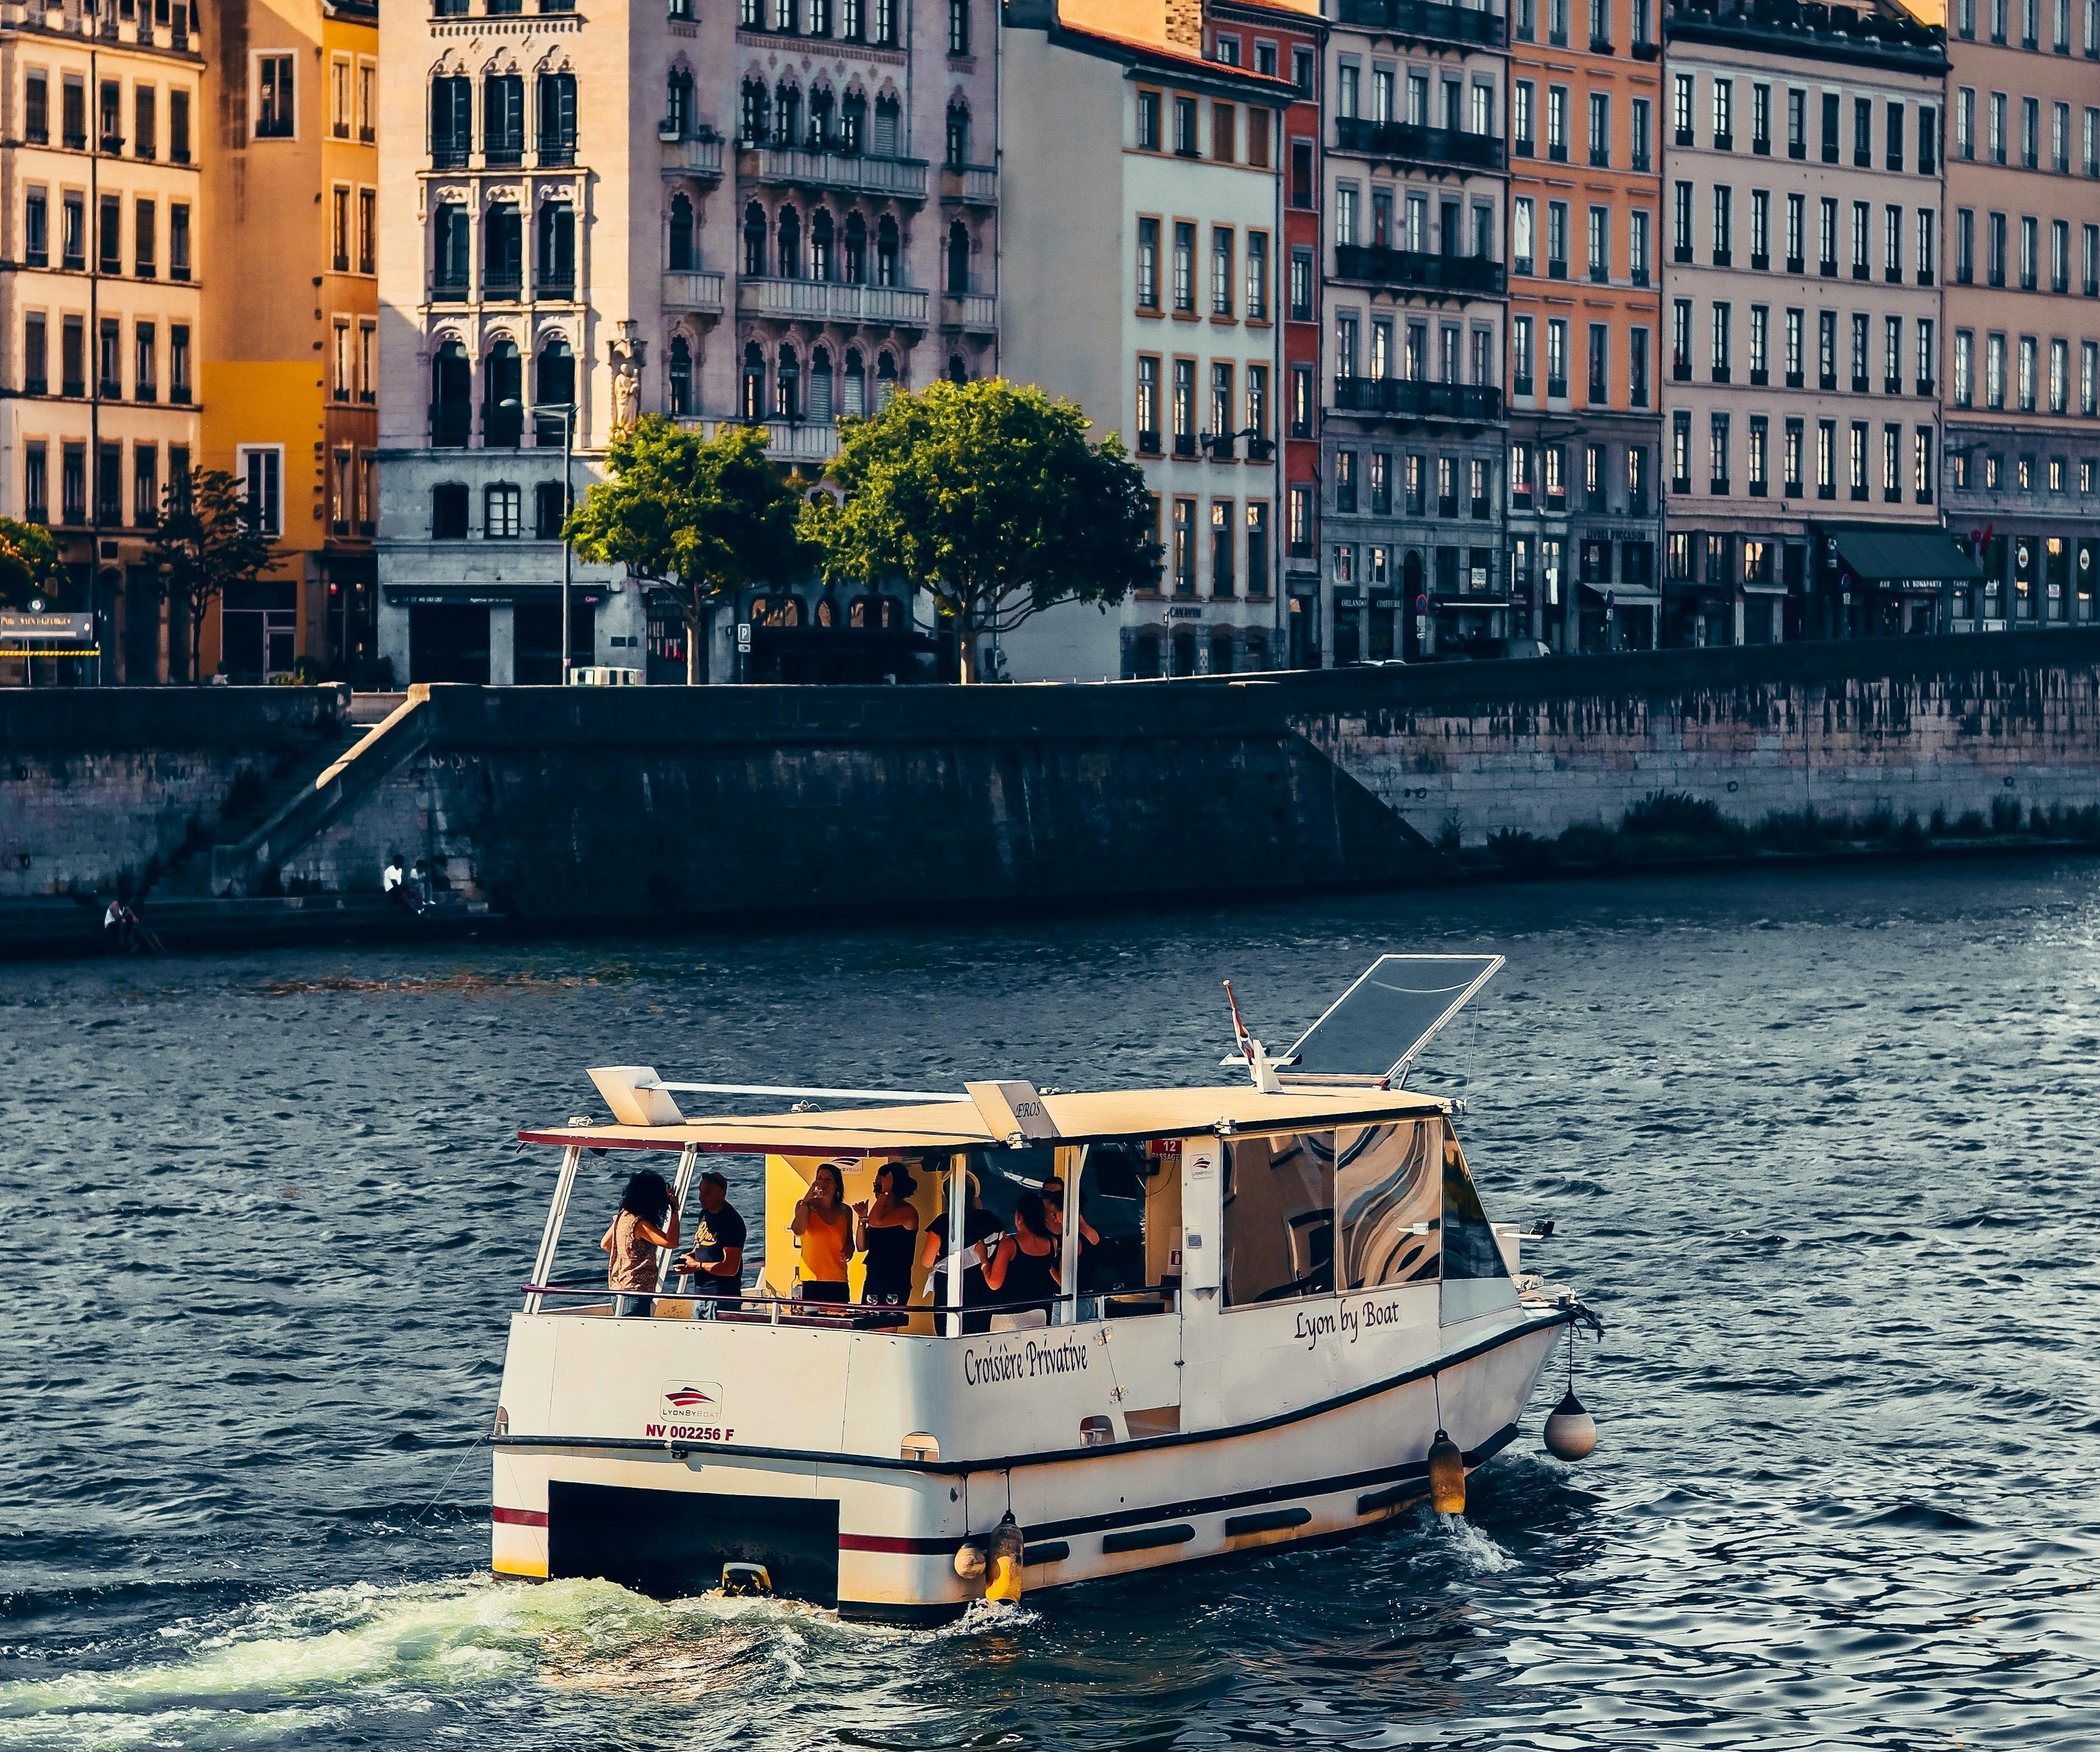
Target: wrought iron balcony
{"x": 1399, "y": 140}
{"x": 1425, "y": 21}
{"x": 1398, "y": 398}
{"x": 1375, "y": 266}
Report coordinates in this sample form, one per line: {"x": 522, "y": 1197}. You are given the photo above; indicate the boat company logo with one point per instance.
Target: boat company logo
{"x": 692, "y": 1411}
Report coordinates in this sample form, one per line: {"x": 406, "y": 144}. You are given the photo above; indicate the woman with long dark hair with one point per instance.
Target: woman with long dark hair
{"x": 1024, "y": 1270}
{"x": 886, "y": 1228}
{"x": 648, "y": 1220}
{"x": 824, "y": 1226}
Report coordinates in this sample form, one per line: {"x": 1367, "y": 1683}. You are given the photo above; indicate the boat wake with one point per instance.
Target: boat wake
{"x": 1477, "y": 1552}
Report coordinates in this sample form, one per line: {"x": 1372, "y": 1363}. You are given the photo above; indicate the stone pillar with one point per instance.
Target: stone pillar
{"x": 502, "y": 646}
{"x": 394, "y": 640}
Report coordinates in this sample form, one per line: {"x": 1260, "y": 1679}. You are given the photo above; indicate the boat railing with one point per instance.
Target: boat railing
{"x": 755, "y": 1308}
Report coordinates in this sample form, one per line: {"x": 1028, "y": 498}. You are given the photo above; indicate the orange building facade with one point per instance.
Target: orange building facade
{"x": 1584, "y": 511}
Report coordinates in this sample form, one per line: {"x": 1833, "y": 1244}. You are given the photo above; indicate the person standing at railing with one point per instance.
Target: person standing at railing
{"x": 979, "y": 1238}
{"x": 648, "y": 1219}
{"x": 1023, "y": 1274}
{"x": 823, "y": 1226}
{"x": 717, "y": 1260}
{"x": 884, "y": 1229}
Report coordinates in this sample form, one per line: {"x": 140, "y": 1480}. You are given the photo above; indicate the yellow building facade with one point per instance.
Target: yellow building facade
{"x": 290, "y": 341}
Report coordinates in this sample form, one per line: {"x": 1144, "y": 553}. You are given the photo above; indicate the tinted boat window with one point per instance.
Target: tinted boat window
{"x": 1386, "y": 1184}
{"x": 1279, "y": 1199}
{"x": 1469, "y": 1243}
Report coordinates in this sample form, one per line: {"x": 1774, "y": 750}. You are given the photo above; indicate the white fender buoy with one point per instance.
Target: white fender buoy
{"x": 970, "y": 1558}
{"x": 1571, "y": 1433}
{"x": 1447, "y": 1477}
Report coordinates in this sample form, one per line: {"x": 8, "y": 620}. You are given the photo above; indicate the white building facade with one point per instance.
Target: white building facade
{"x": 771, "y": 213}
{"x": 1142, "y": 209}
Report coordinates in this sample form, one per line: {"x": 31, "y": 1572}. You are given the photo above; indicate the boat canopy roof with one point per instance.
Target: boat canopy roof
{"x": 939, "y": 1126}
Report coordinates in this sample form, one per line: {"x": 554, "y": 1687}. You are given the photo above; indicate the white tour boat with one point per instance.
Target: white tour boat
{"x": 1283, "y": 1311}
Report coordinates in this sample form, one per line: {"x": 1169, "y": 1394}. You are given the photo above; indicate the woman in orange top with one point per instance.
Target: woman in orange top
{"x": 824, "y": 1230}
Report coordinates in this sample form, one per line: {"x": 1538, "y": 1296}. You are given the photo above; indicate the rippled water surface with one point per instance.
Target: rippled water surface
{"x": 1820, "y": 1148}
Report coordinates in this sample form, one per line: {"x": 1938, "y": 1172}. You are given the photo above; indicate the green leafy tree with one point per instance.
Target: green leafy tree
{"x": 206, "y": 542}
{"x": 29, "y": 565}
{"x": 700, "y": 518}
{"x": 988, "y": 497}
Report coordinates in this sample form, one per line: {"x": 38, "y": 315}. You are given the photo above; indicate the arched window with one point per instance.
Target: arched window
{"x": 828, "y": 612}
{"x": 1145, "y": 657}
{"x": 751, "y": 118}
{"x": 503, "y": 118}
{"x": 856, "y": 253}
{"x": 821, "y": 266}
{"x": 959, "y": 259}
{"x": 754, "y": 241}
{"x": 886, "y": 379}
{"x": 822, "y": 105}
{"x": 787, "y": 113}
{"x": 957, "y": 371}
{"x": 776, "y": 610}
{"x": 862, "y": 614}
{"x": 554, "y": 374}
{"x": 885, "y": 252}
{"x": 852, "y": 122}
{"x": 451, "y": 263}
{"x": 451, "y": 386}
{"x": 959, "y": 134}
{"x": 678, "y": 378}
{"x": 820, "y": 384}
{"x": 502, "y": 402}
{"x": 681, "y": 235}
{"x": 887, "y": 132}
{"x": 752, "y": 405}
{"x": 1411, "y": 575}
{"x": 678, "y": 104}
{"x": 787, "y": 385}
{"x": 852, "y": 392}
{"x": 791, "y": 244}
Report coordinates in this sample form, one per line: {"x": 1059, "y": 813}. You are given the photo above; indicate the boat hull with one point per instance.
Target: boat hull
{"x": 876, "y": 1537}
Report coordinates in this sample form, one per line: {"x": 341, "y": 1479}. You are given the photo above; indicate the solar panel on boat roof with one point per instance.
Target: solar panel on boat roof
{"x": 1392, "y": 1012}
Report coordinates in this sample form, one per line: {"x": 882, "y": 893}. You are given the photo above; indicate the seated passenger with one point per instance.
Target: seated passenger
{"x": 1023, "y": 1274}
{"x": 980, "y": 1236}
{"x": 648, "y": 1219}
{"x": 823, "y": 1228}
{"x": 886, "y": 1226}
{"x": 717, "y": 1258}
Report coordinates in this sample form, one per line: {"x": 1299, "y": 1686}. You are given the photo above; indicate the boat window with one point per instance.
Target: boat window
{"x": 1279, "y": 1217}
{"x": 1112, "y": 1187}
{"x": 1387, "y": 1187}
{"x": 1469, "y": 1240}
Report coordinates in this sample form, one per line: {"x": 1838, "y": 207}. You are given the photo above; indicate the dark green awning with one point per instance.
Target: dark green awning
{"x": 1894, "y": 555}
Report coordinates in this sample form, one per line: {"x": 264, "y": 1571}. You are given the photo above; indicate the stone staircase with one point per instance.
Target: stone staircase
{"x": 254, "y": 799}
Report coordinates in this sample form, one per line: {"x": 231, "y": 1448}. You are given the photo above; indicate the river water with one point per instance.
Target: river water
{"x": 1820, "y": 1149}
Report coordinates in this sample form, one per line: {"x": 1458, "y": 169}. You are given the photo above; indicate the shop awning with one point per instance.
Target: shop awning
{"x": 1895, "y": 555}
{"x": 1627, "y": 595}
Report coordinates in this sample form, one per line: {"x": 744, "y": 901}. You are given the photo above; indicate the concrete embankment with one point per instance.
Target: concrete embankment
{"x": 649, "y": 808}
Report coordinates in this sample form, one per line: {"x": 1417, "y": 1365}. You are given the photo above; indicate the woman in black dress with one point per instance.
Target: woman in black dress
{"x": 887, "y": 1230}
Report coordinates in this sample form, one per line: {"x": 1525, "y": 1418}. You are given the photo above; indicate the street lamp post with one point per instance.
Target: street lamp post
{"x": 568, "y": 411}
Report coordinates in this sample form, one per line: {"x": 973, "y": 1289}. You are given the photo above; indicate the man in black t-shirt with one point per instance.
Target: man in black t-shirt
{"x": 717, "y": 1260}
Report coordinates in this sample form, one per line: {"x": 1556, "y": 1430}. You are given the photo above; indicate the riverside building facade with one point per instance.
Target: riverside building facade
{"x": 777, "y": 212}
{"x": 1143, "y": 201}
{"x": 2022, "y": 310}
{"x": 100, "y": 162}
{"x": 290, "y": 365}
{"x": 1413, "y": 433}
{"x": 1802, "y": 293}
{"x": 1585, "y": 513}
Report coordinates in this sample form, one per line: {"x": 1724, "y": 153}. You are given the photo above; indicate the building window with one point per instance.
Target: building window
{"x": 1185, "y": 267}
{"x": 275, "y": 94}
{"x": 501, "y": 508}
{"x": 959, "y": 27}
{"x": 260, "y": 471}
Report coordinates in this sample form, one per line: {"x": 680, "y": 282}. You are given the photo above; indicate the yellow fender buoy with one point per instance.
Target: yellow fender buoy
{"x": 1002, "y": 1563}
{"x": 1447, "y": 1477}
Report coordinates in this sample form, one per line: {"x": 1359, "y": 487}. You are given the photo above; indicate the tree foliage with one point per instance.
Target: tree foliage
{"x": 29, "y": 565}
{"x": 988, "y": 497}
{"x": 207, "y": 541}
{"x": 703, "y": 518}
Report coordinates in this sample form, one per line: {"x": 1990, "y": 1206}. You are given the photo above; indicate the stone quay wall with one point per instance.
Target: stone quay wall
{"x": 650, "y": 805}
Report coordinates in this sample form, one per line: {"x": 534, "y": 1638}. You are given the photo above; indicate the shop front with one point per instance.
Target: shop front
{"x": 1880, "y": 580}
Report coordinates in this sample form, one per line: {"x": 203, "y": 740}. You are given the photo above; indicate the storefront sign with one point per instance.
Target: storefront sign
{"x": 20, "y": 626}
